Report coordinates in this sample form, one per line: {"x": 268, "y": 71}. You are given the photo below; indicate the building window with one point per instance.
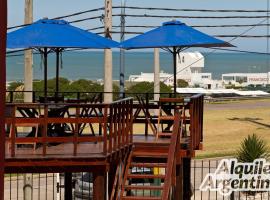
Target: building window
{"x": 228, "y": 78}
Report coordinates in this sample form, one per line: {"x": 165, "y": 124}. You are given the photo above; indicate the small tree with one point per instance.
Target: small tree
{"x": 147, "y": 87}
{"x": 253, "y": 147}
{"x": 182, "y": 83}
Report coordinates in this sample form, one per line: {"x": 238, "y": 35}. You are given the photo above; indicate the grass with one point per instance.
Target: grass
{"x": 225, "y": 128}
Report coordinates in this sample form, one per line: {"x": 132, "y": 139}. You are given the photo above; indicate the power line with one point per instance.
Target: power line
{"x": 79, "y": 13}
{"x": 190, "y": 10}
{"x": 241, "y": 51}
{"x": 194, "y": 26}
{"x": 101, "y": 17}
{"x": 190, "y": 17}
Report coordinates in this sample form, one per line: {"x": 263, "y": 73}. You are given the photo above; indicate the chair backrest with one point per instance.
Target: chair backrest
{"x": 9, "y": 111}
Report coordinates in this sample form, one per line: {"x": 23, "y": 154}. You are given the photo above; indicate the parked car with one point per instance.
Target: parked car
{"x": 84, "y": 187}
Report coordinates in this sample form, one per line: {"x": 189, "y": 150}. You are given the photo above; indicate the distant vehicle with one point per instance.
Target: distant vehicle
{"x": 84, "y": 187}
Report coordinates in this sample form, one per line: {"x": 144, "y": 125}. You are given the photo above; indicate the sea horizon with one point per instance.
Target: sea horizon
{"x": 89, "y": 64}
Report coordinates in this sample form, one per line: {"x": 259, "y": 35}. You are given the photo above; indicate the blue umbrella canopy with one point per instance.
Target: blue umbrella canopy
{"x": 48, "y": 33}
{"x": 173, "y": 34}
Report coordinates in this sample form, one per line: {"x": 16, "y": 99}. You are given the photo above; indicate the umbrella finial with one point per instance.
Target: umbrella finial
{"x": 172, "y": 22}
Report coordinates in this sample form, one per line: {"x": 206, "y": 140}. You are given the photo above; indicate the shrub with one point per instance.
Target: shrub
{"x": 253, "y": 147}
{"x": 182, "y": 83}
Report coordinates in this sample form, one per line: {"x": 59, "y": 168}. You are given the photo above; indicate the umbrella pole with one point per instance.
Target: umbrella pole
{"x": 45, "y": 73}
{"x": 57, "y": 73}
{"x": 174, "y": 71}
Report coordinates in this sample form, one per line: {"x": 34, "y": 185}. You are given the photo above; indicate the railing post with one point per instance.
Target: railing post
{"x": 11, "y": 96}
{"x": 33, "y": 96}
{"x": 146, "y": 109}
{"x": 13, "y": 130}
{"x": 105, "y": 119}
{"x": 131, "y": 121}
{"x": 75, "y": 137}
{"x": 44, "y": 132}
{"x": 78, "y": 95}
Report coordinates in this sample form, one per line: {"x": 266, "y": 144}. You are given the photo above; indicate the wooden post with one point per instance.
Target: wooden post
{"x": 108, "y": 83}
{"x": 3, "y": 31}
{"x": 186, "y": 178}
{"x": 68, "y": 186}
{"x": 99, "y": 192}
{"x": 178, "y": 191}
{"x": 28, "y": 56}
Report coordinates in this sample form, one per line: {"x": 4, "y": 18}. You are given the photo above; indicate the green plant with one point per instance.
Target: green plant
{"x": 253, "y": 147}
{"x": 182, "y": 83}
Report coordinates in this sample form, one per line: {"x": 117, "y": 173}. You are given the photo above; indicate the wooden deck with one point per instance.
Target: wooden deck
{"x": 112, "y": 135}
{"x": 88, "y": 154}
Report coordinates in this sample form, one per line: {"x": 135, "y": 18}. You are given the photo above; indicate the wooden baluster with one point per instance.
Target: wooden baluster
{"x": 131, "y": 121}
{"x": 13, "y": 131}
{"x": 120, "y": 124}
{"x": 75, "y": 136}
{"x": 111, "y": 136}
{"x": 105, "y": 119}
{"x": 114, "y": 116}
{"x": 44, "y": 132}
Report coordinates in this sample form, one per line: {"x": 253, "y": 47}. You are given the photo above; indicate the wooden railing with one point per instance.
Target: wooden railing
{"x": 196, "y": 121}
{"x": 143, "y": 110}
{"x": 173, "y": 154}
{"x": 110, "y": 124}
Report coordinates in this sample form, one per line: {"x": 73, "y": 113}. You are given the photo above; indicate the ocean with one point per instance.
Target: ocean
{"x": 89, "y": 65}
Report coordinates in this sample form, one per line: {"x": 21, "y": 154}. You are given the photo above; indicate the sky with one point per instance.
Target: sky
{"x": 55, "y": 8}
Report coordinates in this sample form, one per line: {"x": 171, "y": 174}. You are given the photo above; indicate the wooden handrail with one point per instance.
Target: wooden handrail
{"x": 173, "y": 154}
{"x": 196, "y": 121}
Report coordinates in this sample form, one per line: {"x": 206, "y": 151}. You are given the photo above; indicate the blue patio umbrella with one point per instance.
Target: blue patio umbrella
{"x": 48, "y": 35}
{"x": 173, "y": 36}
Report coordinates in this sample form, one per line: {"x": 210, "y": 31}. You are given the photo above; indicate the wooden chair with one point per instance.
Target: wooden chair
{"x": 10, "y": 112}
{"x": 166, "y": 116}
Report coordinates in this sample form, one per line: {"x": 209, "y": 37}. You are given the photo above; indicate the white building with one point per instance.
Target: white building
{"x": 245, "y": 79}
{"x": 189, "y": 68}
{"x": 149, "y": 77}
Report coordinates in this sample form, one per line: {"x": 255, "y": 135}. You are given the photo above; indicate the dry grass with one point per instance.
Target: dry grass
{"x": 225, "y": 128}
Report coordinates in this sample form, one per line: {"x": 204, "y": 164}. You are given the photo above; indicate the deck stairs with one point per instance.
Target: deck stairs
{"x": 149, "y": 173}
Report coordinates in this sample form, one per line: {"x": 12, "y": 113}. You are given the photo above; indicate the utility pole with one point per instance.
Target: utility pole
{"x": 122, "y": 51}
{"x": 28, "y": 86}
{"x": 108, "y": 83}
{"x": 156, "y": 74}
{"x": 156, "y": 77}
{"x": 28, "y": 56}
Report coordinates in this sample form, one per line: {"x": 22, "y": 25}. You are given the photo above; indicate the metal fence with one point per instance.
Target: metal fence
{"x": 51, "y": 186}
{"x": 200, "y": 168}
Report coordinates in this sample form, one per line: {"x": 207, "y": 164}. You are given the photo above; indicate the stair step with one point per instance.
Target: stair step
{"x": 162, "y": 165}
{"x": 143, "y": 187}
{"x": 140, "y": 198}
{"x": 150, "y": 154}
{"x": 145, "y": 176}
{"x": 167, "y": 118}
{"x": 168, "y": 134}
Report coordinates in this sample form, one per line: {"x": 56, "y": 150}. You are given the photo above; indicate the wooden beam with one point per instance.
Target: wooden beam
{"x": 99, "y": 192}
{"x": 68, "y": 186}
{"x": 3, "y": 32}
